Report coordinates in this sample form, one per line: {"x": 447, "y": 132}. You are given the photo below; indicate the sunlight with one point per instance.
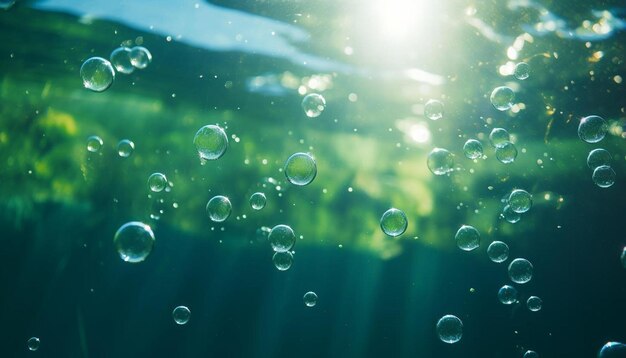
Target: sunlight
{"x": 400, "y": 19}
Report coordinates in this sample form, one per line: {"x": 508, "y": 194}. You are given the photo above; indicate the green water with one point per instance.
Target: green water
{"x": 397, "y": 80}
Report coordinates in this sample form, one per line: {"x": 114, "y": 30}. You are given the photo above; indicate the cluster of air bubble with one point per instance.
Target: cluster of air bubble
{"x": 125, "y": 147}
{"x": 134, "y": 240}
{"x": 500, "y": 139}
{"x": 282, "y": 239}
{"x": 518, "y": 202}
{"x": 592, "y": 129}
{"x": 98, "y": 73}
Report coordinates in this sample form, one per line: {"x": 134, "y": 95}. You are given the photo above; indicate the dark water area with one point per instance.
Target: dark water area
{"x": 246, "y": 67}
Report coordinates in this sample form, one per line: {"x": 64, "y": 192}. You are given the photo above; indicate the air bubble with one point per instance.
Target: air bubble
{"x": 125, "y": 148}
{"x": 181, "y": 315}
{"x": 603, "y": 176}
{"x": 598, "y": 157}
{"x": 502, "y": 98}
{"x": 282, "y": 238}
{"x": 157, "y": 182}
{"x": 440, "y": 161}
{"x": 521, "y": 71}
{"x": 507, "y": 153}
{"x": 310, "y": 299}
{"x": 282, "y": 260}
{"x": 450, "y": 329}
{"x": 520, "y": 271}
{"x": 393, "y": 222}
{"x": 498, "y": 137}
{"x": 134, "y": 241}
{"x": 433, "y": 109}
{"x": 507, "y": 294}
{"x": 592, "y": 129}
{"x": 520, "y": 201}
{"x": 258, "y": 201}
{"x": 467, "y": 238}
{"x": 219, "y": 208}
{"x": 94, "y": 144}
{"x": 300, "y": 169}
{"x": 140, "y": 57}
{"x": 97, "y": 74}
{"x": 120, "y": 59}
{"x": 534, "y": 303}
{"x": 313, "y": 105}
{"x": 211, "y": 142}
{"x": 33, "y": 343}
{"x": 473, "y": 149}
{"x": 498, "y": 251}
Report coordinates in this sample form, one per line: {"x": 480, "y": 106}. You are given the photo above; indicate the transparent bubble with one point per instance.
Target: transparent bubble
{"x": 300, "y": 169}
{"x": 509, "y": 215}
{"x": 219, "y": 208}
{"x": 94, "y": 143}
{"x": 613, "y": 350}
{"x": 181, "y": 315}
{"x": 120, "y": 59}
{"x": 507, "y": 153}
{"x": 531, "y": 354}
{"x": 534, "y": 303}
{"x": 310, "y": 299}
{"x": 97, "y": 74}
{"x": 450, "y": 329}
{"x": 140, "y": 57}
{"x": 507, "y": 294}
{"x": 623, "y": 257}
{"x": 125, "y": 148}
{"x": 499, "y": 137}
{"x": 592, "y": 129}
{"x": 520, "y": 271}
{"x": 211, "y": 142}
{"x": 134, "y": 241}
{"x": 283, "y": 260}
{"x": 33, "y": 343}
{"x": 598, "y": 157}
{"x": 473, "y": 149}
{"x": 520, "y": 201}
{"x": 433, "y": 109}
{"x": 498, "y": 251}
{"x": 502, "y": 98}
{"x": 603, "y": 176}
{"x": 393, "y": 222}
{"x": 521, "y": 71}
{"x": 440, "y": 161}
{"x": 282, "y": 238}
{"x": 313, "y": 105}
{"x": 258, "y": 200}
{"x": 157, "y": 182}
{"x": 467, "y": 238}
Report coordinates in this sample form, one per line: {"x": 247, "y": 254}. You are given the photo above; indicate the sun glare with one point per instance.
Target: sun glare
{"x": 402, "y": 19}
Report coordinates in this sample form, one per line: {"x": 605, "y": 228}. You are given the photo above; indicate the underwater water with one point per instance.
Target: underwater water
{"x": 280, "y": 178}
